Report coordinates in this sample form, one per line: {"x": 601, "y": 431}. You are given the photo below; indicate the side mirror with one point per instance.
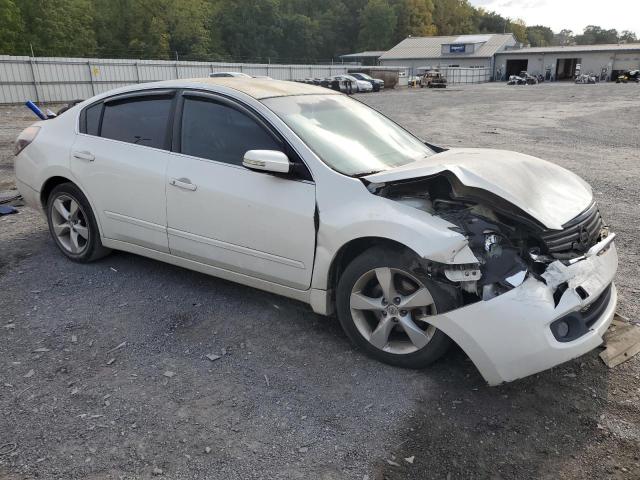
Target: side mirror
{"x": 266, "y": 161}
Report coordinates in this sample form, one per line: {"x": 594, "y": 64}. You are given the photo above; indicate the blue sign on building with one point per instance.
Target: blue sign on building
{"x": 457, "y": 48}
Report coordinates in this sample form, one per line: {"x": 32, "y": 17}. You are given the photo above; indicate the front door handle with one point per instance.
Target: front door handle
{"x": 84, "y": 155}
{"x": 183, "y": 183}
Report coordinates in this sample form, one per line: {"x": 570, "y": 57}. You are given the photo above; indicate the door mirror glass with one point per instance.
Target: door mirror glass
{"x": 266, "y": 161}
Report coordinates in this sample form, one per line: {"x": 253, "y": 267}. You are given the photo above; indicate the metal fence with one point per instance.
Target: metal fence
{"x": 50, "y": 79}
{"x": 456, "y": 75}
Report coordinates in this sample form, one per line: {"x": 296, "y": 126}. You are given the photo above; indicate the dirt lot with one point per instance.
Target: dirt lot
{"x": 289, "y": 398}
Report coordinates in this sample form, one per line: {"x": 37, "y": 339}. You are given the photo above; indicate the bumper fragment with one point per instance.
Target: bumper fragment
{"x": 510, "y": 336}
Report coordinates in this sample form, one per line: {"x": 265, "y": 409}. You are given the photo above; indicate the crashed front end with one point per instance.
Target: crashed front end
{"x": 535, "y": 297}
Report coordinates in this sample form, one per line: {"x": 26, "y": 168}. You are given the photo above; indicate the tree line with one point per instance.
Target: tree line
{"x": 253, "y": 30}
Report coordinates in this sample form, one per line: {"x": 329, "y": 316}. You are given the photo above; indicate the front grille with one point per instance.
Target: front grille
{"x": 579, "y": 235}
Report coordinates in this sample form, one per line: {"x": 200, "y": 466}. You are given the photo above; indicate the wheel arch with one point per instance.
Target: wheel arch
{"x": 52, "y": 182}
{"x": 350, "y": 250}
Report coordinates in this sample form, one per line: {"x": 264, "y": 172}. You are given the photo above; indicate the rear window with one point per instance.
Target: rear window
{"x": 142, "y": 121}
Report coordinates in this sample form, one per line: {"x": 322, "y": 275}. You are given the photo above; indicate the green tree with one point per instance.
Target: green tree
{"x": 11, "y": 28}
{"x": 564, "y": 37}
{"x": 415, "y": 18}
{"x": 187, "y": 28}
{"x": 540, "y": 36}
{"x": 59, "y": 27}
{"x": 595, "y": 35}
{"x": 627, "y": 36}
{"x": 453, "y": 17}
{"x": 251, "y": 29}
{"x": 519, "y": 30}
{"x": 377, "y": 23}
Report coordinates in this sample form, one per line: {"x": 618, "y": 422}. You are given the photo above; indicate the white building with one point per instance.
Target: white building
{"x": 561, "y": 63}
{"x": 457, "y": 51}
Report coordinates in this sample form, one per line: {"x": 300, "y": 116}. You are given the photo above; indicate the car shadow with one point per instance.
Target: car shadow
{"x": 535, "y": 427}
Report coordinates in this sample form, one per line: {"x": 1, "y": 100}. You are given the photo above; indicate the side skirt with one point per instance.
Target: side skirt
{"x": 318, "y": 304}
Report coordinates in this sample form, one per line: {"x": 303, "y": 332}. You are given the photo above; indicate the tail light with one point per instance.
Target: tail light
{"x": 27, "y": 136}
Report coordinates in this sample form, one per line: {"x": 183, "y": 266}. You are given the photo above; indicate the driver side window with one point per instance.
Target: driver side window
{"x": 216, "y": 131}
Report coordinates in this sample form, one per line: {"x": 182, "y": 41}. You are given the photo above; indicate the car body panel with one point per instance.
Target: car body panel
{"x": 549, "y": 193}
{"x": 134, "y": 172}
{"x": 508, "y": 337}
{"x": 256, "y": 224}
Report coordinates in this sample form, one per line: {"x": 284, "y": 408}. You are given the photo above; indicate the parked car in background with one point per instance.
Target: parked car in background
{"x": 228, "y": 74}
{"x": 376, "y": 83}
{"x": 307, "y": 193}
{"x": 433, "y": 79}
{"x": 354, "y": 84}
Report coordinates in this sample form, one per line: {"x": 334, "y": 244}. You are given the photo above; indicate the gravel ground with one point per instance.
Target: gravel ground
{"x": 104, "y": 370}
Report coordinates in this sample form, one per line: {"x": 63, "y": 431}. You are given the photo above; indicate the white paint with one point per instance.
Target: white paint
{"x": 259, "y": 230}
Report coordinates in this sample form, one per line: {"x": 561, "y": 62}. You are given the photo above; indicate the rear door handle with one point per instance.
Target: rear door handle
{"x": 84, "y": 155}
{"x": 183, "y": 183}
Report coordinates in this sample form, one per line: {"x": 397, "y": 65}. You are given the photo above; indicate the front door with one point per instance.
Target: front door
{"x": 121, "y": 157}
{"x": 222, "y": 214}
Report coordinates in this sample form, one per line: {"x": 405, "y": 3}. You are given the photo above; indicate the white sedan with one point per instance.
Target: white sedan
{"x": 307, "y": 193}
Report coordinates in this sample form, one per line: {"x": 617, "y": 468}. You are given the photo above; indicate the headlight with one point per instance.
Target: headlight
{"x": 27, "y": 136}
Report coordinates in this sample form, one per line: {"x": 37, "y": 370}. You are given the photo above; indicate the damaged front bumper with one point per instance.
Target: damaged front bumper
{"x": 511, "y": 336}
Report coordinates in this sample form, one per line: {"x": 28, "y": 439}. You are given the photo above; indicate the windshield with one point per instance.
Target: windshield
{"x": 363, "y": 76}
{"x": 346, "y": 134}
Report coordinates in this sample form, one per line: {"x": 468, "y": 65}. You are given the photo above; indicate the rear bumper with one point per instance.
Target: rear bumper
{"x": 510, "y": 336}
{"x": 31, "y": 197}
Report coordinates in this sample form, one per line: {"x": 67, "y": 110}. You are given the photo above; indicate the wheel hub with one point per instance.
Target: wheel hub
{"x": 392, "y": 311}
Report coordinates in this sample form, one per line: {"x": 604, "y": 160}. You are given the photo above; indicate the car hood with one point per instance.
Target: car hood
{"x": 549, "y": 193}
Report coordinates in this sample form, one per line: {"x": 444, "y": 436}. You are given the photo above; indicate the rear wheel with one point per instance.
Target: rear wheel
{"x": 384, "y": 306}
{"x": 73, "y": 225}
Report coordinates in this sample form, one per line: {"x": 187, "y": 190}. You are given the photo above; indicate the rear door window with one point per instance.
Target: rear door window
{"x": 142, "y": 121}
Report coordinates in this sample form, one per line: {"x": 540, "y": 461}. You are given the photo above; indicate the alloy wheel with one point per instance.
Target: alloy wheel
{"x": 69, "y": 223}
{"x": 390, "y": 308}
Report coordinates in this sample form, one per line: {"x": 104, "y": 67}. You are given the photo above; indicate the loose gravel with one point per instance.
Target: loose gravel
{"x": 131, "y": 368}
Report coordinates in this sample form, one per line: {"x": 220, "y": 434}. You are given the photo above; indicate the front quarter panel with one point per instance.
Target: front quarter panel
{"x": 348, "y": 211}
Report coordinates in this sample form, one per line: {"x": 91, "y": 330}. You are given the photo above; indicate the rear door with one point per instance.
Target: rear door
{"x": 120, "y": 158}
{"x": 221, "y": 213}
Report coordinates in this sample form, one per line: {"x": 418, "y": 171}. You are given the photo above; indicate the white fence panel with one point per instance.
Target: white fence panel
{"x": 49, "y": 79}
{"x": 457, "y": 75}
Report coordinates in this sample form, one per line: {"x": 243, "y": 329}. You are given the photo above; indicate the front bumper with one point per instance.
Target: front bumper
{"x": 510, "y": 336}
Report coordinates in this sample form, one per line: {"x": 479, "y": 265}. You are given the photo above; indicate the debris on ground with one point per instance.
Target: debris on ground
{"x": 110, "y": 361}
{"x": 7, "y": 210}
{"x": 392, "y": 463}
{"x": 213, "y": 357}
{"x": 207, "y": 449}
{"x": 123, "y": 344}
{"x": 157, "y": 471}
{"x": 29, "y": 374}
{"x": 410, "y": 459}
{"x": 622, "y": 341}
{"x": 169, "y": 374}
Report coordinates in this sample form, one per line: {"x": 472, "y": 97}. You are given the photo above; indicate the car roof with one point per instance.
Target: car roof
{"x": 258, "y": 88}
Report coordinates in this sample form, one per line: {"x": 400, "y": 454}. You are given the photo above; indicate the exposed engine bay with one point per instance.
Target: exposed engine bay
{"x": 510, "y": 245}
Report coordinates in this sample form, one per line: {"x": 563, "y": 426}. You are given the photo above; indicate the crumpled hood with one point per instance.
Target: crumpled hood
{"x": 547, "y": 192}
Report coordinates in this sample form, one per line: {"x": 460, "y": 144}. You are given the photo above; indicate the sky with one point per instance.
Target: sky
{"x": 571, "y": 14}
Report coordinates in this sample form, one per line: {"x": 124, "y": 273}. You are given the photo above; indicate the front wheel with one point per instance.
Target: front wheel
{"x": 384, "y": 305}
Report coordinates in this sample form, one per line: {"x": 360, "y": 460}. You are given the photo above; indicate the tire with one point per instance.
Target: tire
{"x": 359, "y": 322}
{"x": 73, "y": 225}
